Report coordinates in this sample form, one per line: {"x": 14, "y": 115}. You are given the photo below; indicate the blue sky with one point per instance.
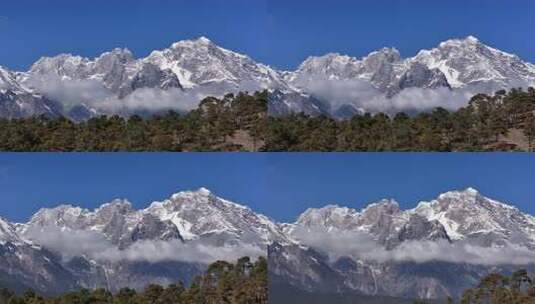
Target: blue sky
{"x": 276, "y": 32}
{"x": 280, "y": 185}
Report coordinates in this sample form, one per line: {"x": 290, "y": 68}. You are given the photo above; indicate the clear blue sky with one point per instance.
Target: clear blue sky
{"x": 280, "y": 185}
{"x": 276, "y": 32}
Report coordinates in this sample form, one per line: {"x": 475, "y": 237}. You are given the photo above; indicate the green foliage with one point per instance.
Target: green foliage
{"x": 244, "y": 282}
{"x": 496, "y": 288}
{"x": 529, "y": 130}
{"x": 236, "y": 123}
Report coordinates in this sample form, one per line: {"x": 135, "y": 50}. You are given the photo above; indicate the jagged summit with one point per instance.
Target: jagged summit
{"x": 467, "y": 192}
{"x": 469, "y": 40}
{"x": 202, "y": 40}
{"x": 202, "y": 191}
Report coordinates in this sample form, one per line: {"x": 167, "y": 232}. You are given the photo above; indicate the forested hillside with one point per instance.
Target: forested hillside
{"x": 504, "y": 121}
{"x": 519, "y": 288}
{"x": 496, "y": 288}
{"x": 241, "y": 283}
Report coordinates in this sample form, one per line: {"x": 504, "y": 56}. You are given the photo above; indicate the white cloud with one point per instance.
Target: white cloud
{"x": 94, "y": 94}
{"x": 74, "y": 243}
{"x": 360, "y": 245}
{"x": 363, "y": 95}
{"x": 149, "y": 99}
{"x": 69, "y": 92}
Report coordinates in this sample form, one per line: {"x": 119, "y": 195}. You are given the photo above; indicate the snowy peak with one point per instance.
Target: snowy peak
{"x": 62, "y": 215}
{"x": 200, "y": 213}
{"x": 469, "y": 215}
{"x": 194, "y": 43}
{"x": 382, "y": 56}
{"x": 330, "y": 216}
{"x": 470, "y": 62}
{"x": 201, "y": 62}
{"x": 332, "y": 64}
{"x": 468, "y": 41}
{"x": 122, "y": 55}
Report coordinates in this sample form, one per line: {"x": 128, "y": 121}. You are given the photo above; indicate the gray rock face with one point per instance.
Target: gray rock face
{"x": 419, "y": 228}
{"x": 309, "y": 270}
{"x": 419, "y": 76}
{"x": 150, "y": 76}
{"x": 282, "y": 104}
{"x": 151, "y": 228}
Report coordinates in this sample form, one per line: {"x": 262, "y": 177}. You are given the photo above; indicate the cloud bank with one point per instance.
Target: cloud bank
{"x": 94, "y": 94}
{"x": 361, "y": 246}
{"x": 93, "y": 245}
{"x": 334, "y": 92}
{"x": 363, "y": 95}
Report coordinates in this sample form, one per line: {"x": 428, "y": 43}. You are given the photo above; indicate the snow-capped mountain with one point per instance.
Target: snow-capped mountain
{"x": 210, "y": 216}
{"x": 435, "y": 250}
{"x": 470, "y": 62}
{"x": 468, "y": 215}
{"x": 116, "y": 245}
{"x": 333, "y": 84}
{"x": 202, "y": 63}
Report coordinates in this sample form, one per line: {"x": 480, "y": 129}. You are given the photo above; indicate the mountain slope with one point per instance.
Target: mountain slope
{"x": 24, "y": 265}
{"x": 17, "y": 101}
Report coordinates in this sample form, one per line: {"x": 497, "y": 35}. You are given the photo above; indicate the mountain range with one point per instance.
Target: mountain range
{"x": 115, "y": 245}
{"x": 435, "y": 250}
{"x": 338, "y": 85}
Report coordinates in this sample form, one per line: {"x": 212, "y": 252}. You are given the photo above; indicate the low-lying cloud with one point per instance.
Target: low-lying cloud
{"x": 360, "y": 245}
{"x": 335, "y": 92}
{"x": 78, "y": 243}
{"x": 151, "y": 100}
{"x": 70, "y": 92}
{"x": 92, "y": 93}
{"x": 363, "y": 95}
